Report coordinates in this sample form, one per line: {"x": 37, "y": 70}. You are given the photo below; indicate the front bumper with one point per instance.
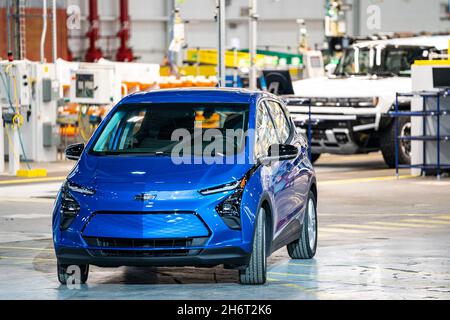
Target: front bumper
{"x": 230, "y": 256}
{"x": 339, "y": 132}
{"x": 160, "y": 237}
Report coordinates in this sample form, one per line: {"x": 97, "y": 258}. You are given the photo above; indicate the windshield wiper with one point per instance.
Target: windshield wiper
{"x": 162, "y": 153}
{"x": 128, "y": 153}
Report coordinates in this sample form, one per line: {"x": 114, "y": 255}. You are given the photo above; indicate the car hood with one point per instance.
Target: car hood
{"x": 351, "y": 87}
{"x": 152, "y": 173}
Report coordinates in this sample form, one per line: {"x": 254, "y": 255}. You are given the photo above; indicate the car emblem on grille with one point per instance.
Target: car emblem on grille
{"x": 145, "y": 197}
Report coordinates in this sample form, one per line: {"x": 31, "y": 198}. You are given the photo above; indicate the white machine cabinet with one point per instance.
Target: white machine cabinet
{"x": 93, "y": 84}
{"x": 431, "y": 79}
{"x": 34, "y": 94}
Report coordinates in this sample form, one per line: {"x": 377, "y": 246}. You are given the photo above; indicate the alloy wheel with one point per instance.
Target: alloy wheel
{"x": 312, "y": 224}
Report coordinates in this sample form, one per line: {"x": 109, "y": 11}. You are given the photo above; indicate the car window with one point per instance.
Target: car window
{"x": 394, "y": 61}
{"x": 281, "y": 122}
{"x": 266, "y": 134}
{"x": 348, "y": 65}
{"x": 150, "y": 128}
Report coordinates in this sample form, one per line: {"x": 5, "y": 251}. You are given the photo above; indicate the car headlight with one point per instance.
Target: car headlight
{"x": 69, "y": 206}
{"x": 230, "y": 208}
{"x": 370, "y": 102}
{"x": 221, "y": 188}
{"x": 76, "y": 188}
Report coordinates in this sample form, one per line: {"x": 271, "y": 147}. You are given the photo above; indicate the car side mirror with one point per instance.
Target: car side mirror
{"x": 74, "y": 151}
{"x": 280, "y": 152}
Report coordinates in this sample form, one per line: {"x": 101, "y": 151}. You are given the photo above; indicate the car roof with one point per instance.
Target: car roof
{"x": 438, "y": 42}
{"x": 197, "y": 95}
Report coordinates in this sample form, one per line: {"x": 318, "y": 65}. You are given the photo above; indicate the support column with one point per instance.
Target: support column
{"x": 221, "y": 72}
{"x": 356, "y": 8}
{"x": 8, "y": 25}
{"x": 125, "y": 53}
{"x": 16, "y": 19}
{"x": 2, "y": 147}
{"x": 54, "y": 33}
{"x": 252, "y": 37}
{"x": 93, "y": 53}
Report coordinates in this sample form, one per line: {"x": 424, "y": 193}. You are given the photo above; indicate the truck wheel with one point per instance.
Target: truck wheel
{"x": 305, "y": 247}
{"x": 315, "y": 157}
{"x": 387, "y": 143}
{"x": 256, "y": 271}
{"x": 65, "y": 273}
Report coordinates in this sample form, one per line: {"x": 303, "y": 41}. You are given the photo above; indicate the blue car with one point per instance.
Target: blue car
{"x": 188, "y": 177}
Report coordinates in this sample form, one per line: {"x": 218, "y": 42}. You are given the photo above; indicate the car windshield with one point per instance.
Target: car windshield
{"x": 389, "y": 61}
{"x": 157, "y": 129}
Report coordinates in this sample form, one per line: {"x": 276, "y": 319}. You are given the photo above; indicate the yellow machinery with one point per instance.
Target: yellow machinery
{"x": 233, "y": 59}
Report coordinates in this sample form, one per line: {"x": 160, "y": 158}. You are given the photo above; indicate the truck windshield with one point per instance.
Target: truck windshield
{"x": 156, "y": 129}
{"x": 388, "y": 61}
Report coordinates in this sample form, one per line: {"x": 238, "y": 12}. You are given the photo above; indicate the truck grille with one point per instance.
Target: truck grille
{"x": 331, "y": 102}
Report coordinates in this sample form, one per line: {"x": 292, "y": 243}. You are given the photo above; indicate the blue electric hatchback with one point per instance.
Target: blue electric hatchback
{"x": 188, "y": 177}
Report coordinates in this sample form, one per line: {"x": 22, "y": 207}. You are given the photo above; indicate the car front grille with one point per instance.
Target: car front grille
{"x": 145, "y": 243}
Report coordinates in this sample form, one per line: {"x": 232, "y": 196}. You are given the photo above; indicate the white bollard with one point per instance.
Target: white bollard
{"x": 14, "y": 150}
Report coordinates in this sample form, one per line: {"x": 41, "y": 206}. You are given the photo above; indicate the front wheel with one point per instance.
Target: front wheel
{"x": 256, "y": 271}
{"x": 305, "y": 246}
{"x": 387, "y": 143}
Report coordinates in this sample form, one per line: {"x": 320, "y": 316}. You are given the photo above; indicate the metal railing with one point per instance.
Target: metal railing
{"x": 424, "y": 166}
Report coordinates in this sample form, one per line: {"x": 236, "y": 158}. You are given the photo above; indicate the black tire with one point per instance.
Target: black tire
{"x": 63, "y": 275}
{"x": 315, "y": 157}
{"x": 256, "y": 271}
{"x": 387, "y": 143}
{"x": 302, "y": 248}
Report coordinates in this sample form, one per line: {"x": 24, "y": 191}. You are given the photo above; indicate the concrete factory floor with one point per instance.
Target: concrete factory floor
{"x": 379, "y": 238}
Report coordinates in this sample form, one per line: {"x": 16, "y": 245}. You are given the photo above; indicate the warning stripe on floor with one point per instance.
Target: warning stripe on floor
{"x": 32, "y": 180}
{"x": 443, "y": 217}
{"x": 362, "y": 180}
{"x": 345, "y": 228}
{"x": 337, "y": 230}
{"x": 429, "y": 221}
{"x": 26, "y": 248}
{"x": 402, "y": 224}
{"x": 365, "y": 227}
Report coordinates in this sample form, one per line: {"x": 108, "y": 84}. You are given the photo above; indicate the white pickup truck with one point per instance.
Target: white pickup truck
{"x": 350, "y": 106}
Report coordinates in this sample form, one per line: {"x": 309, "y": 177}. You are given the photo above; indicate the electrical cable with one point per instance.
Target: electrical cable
{"x": 23, "y": 149}
{"x": 7, "y": 90}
